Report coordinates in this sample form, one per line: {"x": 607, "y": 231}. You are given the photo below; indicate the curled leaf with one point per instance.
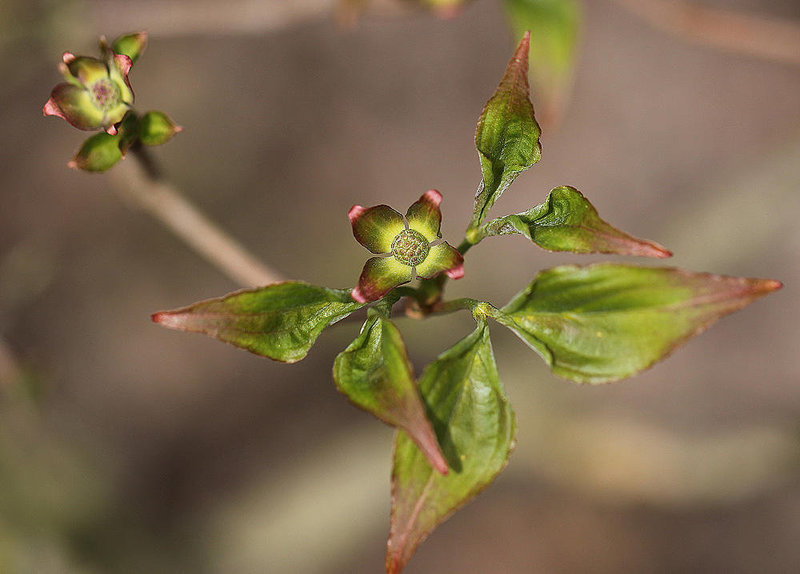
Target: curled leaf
{"x": 605, "y": 322}
{"x": 566, "y": 221}
{"x": 507, "y": 136}
{"x": 280, "y": 321}
{"x": 375, "y": 374}
{"x": 475, "y": 427}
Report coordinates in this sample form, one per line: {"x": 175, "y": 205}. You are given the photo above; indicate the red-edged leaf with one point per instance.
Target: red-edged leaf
{"x": 605, "y": 322}
{"x": 475, "y": 427}
{"x": 507, "y": 136}
{"x": 280, "y": 321}
{"x": 375, "y": 374}
{"x": 566, "y": 221}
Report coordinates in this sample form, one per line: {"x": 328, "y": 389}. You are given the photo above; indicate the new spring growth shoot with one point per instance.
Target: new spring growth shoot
{"x": 590, "y": 324}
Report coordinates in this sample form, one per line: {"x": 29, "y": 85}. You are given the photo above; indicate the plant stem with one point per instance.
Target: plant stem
{"x": 464, "y": 303}
{"x": 146, "y": 189}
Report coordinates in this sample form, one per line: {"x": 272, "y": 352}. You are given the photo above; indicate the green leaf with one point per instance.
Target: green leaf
{"x": 475, "y": 427}
{"x": 554, "y": 27}
{"x": 98, "y": 153}
{"x": 566, "y": 221}
{"x": 155, "y": 128}
{"x": 375, "y": 374}
{"x": 131, "y": 45}
{"x": 605, "y": 322}
{"x": 507, "y": 136}
{"x": 280, "y": 321}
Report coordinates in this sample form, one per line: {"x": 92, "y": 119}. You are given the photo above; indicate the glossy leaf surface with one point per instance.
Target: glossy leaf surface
{"x": 375, "y": 374}
{"x": 566, "y": 221}
{"x": 605, "y": 322}
{"x": 507, "y": 136}
{"x": 475, "y": 427}
{"x": 280, "y": 321}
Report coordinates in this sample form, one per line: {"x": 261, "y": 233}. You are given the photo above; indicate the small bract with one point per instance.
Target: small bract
{"x": 406, "y": 247}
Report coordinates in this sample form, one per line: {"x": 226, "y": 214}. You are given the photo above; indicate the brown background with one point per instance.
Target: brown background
{"x": 125, "y": 447}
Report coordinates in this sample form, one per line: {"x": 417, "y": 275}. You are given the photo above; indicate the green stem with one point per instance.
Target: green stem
{"x": 456, "y": 305}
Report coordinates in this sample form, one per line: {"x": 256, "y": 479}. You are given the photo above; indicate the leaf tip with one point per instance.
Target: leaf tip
{"x": 167, "y": 319}
{"x": 523, "y": 49}
{"x": 456, "y": 272}
{"x": 767, "y": 286}
{"x": 652, "y": 249}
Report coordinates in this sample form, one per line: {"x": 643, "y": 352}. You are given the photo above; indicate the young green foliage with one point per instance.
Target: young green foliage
{"x": 566, "y": 221}
{"x": 475, "y": 427}
{"x": 280, "y": 321}
{"x": 375, "y": 374}
{"x": 591, "y": 324}
{"x": 507, "y": 136}
{"x": 606, "y": 322}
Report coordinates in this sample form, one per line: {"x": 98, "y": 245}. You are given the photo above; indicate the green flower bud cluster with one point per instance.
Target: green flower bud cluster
{"x": 97, "y": 95}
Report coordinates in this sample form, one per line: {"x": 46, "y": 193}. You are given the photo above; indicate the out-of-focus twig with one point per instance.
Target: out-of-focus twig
{"x": 725, "y": 29}
{"x": 142, "y": 185}
{"x": 240, "y": 17}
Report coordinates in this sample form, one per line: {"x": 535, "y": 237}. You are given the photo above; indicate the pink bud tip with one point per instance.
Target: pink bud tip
{"x": 455, "y": 272}
{"x": 51, "y": 109}
{"x": 67, "y": 57}
{"x": 356, "y": 294}
{"x": 433, "y": 196}
{"x": 354, "y": 213}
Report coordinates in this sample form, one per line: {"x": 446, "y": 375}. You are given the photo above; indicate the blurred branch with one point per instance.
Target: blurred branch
{"x": 182, "y": 18}
{"x": 736, "y": 31}
{"x": 142, "y": 184}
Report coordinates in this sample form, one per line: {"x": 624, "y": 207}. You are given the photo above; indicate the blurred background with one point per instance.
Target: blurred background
{"x": 128, "y": 448}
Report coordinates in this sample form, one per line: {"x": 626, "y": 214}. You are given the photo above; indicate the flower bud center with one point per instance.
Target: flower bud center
{"x": 410, "y": 247}
{"x": 105, "y": 94}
